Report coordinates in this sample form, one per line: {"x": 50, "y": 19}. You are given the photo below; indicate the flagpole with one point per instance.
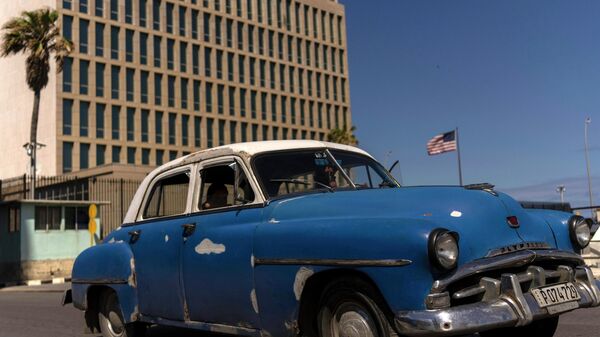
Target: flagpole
{"x": 460, "y": 178}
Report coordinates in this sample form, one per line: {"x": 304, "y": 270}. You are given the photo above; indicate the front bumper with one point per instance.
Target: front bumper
{"x": 510, "y": 308}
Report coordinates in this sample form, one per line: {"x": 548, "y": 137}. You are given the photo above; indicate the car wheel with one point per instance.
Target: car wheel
{"x": 347, "y": 309}
{"x": 542, "y": 328}
{"x": 111, "y": 319}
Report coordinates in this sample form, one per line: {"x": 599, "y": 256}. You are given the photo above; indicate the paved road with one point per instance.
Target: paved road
{"x": 40, "y": 315}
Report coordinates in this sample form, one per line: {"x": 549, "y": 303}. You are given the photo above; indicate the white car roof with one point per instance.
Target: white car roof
{"x": 244, "y": 150}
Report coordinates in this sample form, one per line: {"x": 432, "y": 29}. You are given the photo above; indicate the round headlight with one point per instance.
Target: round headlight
{"x": 579, "y": 231}
{"x": 443, "y": 248}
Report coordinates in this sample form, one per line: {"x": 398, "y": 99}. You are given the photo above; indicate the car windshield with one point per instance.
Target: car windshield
{"x": 282, "y": 173}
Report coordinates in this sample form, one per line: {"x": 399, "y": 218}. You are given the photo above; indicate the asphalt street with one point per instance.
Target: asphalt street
{"x": 39, "y": 314}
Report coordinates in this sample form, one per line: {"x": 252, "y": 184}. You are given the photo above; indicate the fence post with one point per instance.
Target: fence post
{"x": 121, "y": 201}
{"x": 25, "y": 186}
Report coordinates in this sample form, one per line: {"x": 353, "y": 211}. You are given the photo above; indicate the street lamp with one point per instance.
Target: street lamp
{"x": 588, "y": 121}
{"x": 561, "y": 190}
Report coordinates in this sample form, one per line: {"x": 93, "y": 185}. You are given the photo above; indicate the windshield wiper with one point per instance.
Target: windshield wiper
{"x": 303, "y": 182}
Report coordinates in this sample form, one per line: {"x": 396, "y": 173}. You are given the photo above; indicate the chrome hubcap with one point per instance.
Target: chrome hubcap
{"x": 352, "y": 322}
{"x": 114, "y": 322}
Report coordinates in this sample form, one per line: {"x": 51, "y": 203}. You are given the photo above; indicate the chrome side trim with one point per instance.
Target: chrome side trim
{"x": 98, "y": 281}
{"x": 517, "y": 247}
{"x": 334, "y": 262}
{"x": 517, "y": 259}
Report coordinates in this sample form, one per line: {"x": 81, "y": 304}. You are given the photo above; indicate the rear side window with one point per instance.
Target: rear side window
{"x": 168, "y": 196}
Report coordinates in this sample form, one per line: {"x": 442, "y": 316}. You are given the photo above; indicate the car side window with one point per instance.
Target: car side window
{"x": 218, "y": 187}
{"x": 168, "y": 196}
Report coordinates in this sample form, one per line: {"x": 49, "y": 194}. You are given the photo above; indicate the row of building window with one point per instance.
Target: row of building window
{"x": 307, "y": 20}
{"x": 50, "y": 218}
{"x": 248, "y": 132}
{"x": 180, "y": 90}
{"x": 138, "y": 123}
{"x": 295, "y": 50}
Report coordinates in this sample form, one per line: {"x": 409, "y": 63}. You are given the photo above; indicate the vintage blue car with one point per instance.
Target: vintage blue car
{"x": 306, "y": 238}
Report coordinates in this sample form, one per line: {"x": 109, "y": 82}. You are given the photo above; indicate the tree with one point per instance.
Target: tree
{"x": 37, "y": 35}
{"x": 343, "y": 136}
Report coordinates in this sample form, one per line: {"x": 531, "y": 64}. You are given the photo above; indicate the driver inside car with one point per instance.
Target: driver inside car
{"x": 216, "y": 196}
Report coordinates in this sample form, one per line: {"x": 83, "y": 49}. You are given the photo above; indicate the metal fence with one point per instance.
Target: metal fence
{"x": 118, "y": 192}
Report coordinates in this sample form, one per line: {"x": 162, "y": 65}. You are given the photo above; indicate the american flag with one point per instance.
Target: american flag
{"x": 444, "y": 142}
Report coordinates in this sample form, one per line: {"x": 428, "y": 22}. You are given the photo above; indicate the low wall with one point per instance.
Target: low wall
{"x": 35, "y": 270}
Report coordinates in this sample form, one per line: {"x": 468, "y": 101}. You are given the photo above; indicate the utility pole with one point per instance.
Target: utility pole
{"x": 588, "y": 121}
{"x": 561, "y": 190}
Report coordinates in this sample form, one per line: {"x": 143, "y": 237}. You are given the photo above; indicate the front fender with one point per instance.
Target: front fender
{"x": 558, "y": 222}
{"x": 109, "y": 266}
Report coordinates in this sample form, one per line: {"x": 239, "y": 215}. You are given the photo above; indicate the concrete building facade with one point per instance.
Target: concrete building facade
{"x": 151, "y": 80}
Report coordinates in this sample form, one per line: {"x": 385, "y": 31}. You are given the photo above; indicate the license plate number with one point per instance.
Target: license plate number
{"x": 555, "y": 294}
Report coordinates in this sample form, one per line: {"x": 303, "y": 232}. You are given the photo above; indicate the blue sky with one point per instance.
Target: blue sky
{"x": 516, "y": 77}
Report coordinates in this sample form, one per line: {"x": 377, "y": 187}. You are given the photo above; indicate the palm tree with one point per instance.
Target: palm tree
{"x": 37, "y": 35}
{"x": 343, "y": 136}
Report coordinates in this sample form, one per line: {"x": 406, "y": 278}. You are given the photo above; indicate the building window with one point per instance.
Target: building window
{"x": 172, "y": 155}
{"x": 274, "y": 108}
{"x": 218, "y": 35}
{"x": 76, "y": 218}
{"x": 47, "y": 218}
{"x": 221, "y": 132}
{"x": 115, "y": 121}
{"x": 220, "y": 98}
{"x": 195, "y": 56}
{"x": 172, "y": 125}
{"x": 208, "y": 97}
{"x": 99, "y": 11}
{"x": 183, "y": 57}
{"x": 243, "y": 102}
{"x": 159, "y": 157}
{"x": 130, "y": 80}
{"x": 130, "y": 124}
{"x": 114, "y": 10}
{"x": 244, "y": 127}
{"x": 219, "y": 64}
{"x": 68, "y": 27}
{"x": 99, "y": 39}
{"x": 194, "y": 24}
{"x": 128, "y": 11}
{"x": 100, "y": 109}
{"x": 196, "y": 95}
{"x": 283, "y": 109}
{"x": 145, "y": 156}
{"x": 67, "y": 116}
{"x": 67, "y": 74}
{"x": 114, "y": 43}
{"x": 184, "y": 93}
{"x": 83, "y": 35}
{"x": 129, "y": 45}
{"x": 241, "y": 68}
{"x": 185, "y": 119}
{"x": 262, "y": 73}
{"x": 232, "y": 130}
{"x": 116, "y": 154}
{"x": 171, "y": 90}
{"x": 84, "y": 110}
{"x": 14, "y": 219}
{"x": 232, "y": 101}
{"x": 144, "y": 86}
{"x": 182, "y": 20}
{"x": 206, "y": 26}
{"x": 84, "y": 156}
{"x": 207, "y": 61}
{"x": 197, "y": 124}
{"x": 84, "y": 76}
{"x": 229, "y": 32}
{"x": 170, "y": 54}
{"x": 157, "y": 89}
{"x": 67, "y": 4}
{"x": 156, "y": 14}
{"x": 263, "y": 106}
{"x": 252, "y": 70}
{"x": 157, "y": 41}
{"x": 254, "y": 132}
{"x": 209, "y": 132}
{"x": 145, "y": 117}
{"x": 240, "y": 35}
{"x": 143, "y": 48}
{"x": 67, "y": 160}
{"x": 131, "y": 155}
{"x": 142, "y": 12}
{"x": 230, "y": 57}
{"x": 158, "y": 127}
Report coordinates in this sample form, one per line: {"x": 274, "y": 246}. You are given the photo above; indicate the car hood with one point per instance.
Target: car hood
{"x": 479, "y": 217}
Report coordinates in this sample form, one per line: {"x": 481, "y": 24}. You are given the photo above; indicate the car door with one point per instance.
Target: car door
{"x": 156, "y": 244}
{"x": 217, "y": 257}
